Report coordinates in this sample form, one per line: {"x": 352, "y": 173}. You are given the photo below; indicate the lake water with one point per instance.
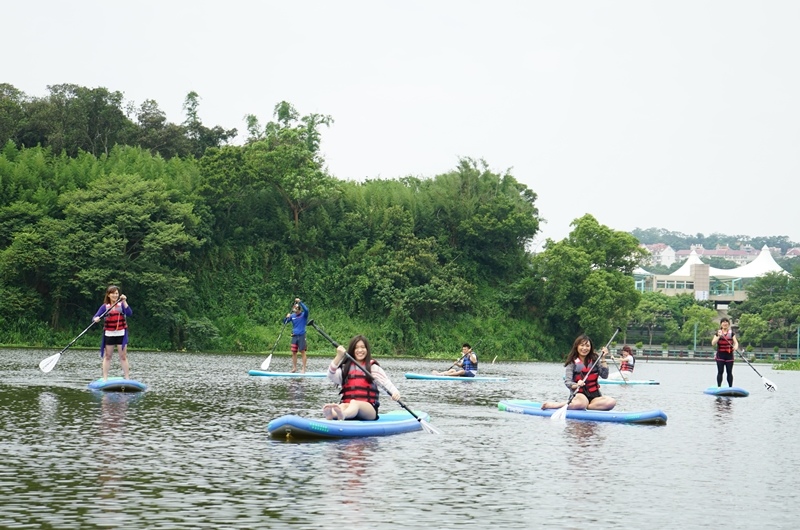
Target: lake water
{"x": 193, "y": 451}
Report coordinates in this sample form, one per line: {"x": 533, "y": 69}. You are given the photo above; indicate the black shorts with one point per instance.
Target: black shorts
{"x": 592, "y": 395}
{"x": 111, "y": 341}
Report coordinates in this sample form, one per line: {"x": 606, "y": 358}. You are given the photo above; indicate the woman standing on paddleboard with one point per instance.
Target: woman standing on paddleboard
{"x": 115, "y": 331}
{"x": 726, "y": 343}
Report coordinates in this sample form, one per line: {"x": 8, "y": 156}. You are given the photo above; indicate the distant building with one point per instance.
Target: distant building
{"x": 723, "y": 286}
{"x": 660, "y": 254}
{"x": 743, "y": 256}
{"x": 792, "y": 253}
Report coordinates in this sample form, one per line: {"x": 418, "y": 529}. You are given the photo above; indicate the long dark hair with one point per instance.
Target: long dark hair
{"x": 573, "y": 353}
{"x": 351, "y": 350}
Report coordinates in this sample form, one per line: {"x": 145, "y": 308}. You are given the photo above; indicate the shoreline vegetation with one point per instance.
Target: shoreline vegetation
{"x": 788, "y": 361}
{"x": 211, "y": 242}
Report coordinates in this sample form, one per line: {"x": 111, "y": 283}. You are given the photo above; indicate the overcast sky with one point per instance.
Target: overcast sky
{"x": 683, "y": 115}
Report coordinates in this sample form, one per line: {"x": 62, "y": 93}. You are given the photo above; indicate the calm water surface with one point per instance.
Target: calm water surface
{"x": 193, "y": 452}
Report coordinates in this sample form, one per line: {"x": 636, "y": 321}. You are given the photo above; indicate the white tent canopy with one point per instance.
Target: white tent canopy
{"x": 763, "y": 264}
{"x": 760, "y": 266}
{"x": 694, "y": 259}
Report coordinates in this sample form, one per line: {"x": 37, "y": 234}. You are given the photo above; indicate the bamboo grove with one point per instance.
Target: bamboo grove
{"x": 212, "y": 241}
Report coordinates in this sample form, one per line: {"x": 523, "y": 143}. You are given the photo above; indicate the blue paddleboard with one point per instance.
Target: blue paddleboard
{"x": 519, "y": 406}
{"x": 726, "y": 391}
{"x": 287, "y": 374}
{"x": 117, "y": 384}
{"x": 393, "y": 422}
{"x": 434, "y": 377}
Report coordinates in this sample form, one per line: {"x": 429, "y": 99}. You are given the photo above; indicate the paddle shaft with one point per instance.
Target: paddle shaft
{"x": 748, "y": 363}
{"x": 48, "y": 364}
{"x": 364, "y": 370}
{"x": 575, "y": 392}
{"x": 769, "y": 384}
{"x": 619, "y": 369}
{"x": 279, "y": 335}
{"x": 461, "y": 360}
{"x": 89, "y": 326}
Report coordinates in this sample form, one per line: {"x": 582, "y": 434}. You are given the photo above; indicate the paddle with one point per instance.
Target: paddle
{"x": 48, "y": 364}
{"x": 425, "y": 425}
{"x": 561, "y": 414}
{"x": 265, "y": 364}
{"x": 767, "y": 383}
{"x": 461, "y": 360}
{"x": 613, "y": 360}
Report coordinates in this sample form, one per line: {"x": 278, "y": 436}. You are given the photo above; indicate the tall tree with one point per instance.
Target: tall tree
{"x": 200, "y": 136}
{"x": 12, "y": 112}
{"x": 288, "y": 157}
{"x": 584, "y": 282}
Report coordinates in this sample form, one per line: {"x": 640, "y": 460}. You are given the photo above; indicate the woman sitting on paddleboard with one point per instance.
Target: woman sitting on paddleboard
{"x": 359, "y": 390}
{"x": 579, "y": 379}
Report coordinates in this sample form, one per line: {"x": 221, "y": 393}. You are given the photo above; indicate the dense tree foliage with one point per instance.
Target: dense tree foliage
{"x": 775, "y": 299}
{"x": 76, "y": 119}
{"x": 213, "y": 241}
{"x": 585, "y": 282}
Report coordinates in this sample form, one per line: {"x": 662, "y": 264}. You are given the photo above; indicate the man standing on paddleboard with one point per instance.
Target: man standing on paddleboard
{"x": 298, "y": 318}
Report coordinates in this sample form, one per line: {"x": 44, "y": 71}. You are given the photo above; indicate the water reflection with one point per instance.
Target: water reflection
{"x": 582, "y": 434}
{"x": 48, "y": 406}
{"x": 295, "y": 390}
{"x": 197, "y": 455}
{"x": 110, "y": 430}
{"x": 352, "y": 459}
{"x": 723, "y": 406}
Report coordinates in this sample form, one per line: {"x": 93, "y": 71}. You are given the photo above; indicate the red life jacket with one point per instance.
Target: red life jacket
{"x": 626, "y": 367}
{"x": 115, "y": 320}
{"x": 725, "y": 343}
{"x": 591, "y": 385}
{"x": 356, "y": 385}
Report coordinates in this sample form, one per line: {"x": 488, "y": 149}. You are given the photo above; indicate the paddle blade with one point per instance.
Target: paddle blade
{"x": 265, "y": 364}
{"x": 769, "y": 384}
{"x": 48, "y": 364}
{"x": 428, "y": 428}
{"x": 560, "y": 414}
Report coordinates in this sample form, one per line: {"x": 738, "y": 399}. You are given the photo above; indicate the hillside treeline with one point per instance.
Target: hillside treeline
{"x": 681, "y": 241}
{"x": 211, "y": 244}
{"x": 74, "y": 119}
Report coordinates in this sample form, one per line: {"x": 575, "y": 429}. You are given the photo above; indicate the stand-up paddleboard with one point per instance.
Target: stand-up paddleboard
{"x": 434, "y": 377}
{"x": 394, "y": 422}
{"x": 629, "y": 382}
{"x": 533, "y": 408}
{"x": 286, "y": 374}
{"x": 117, "y": 384}
{"x": 726, "y": 391}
